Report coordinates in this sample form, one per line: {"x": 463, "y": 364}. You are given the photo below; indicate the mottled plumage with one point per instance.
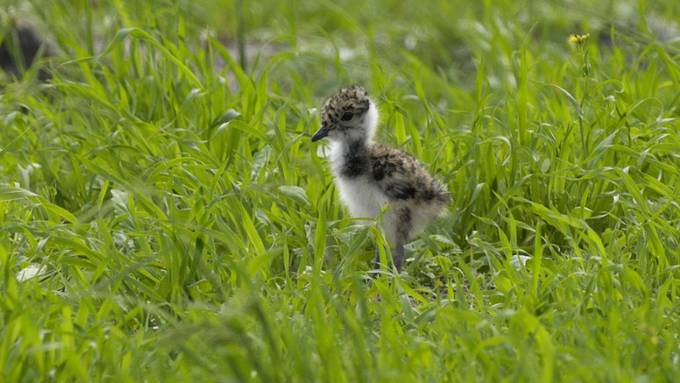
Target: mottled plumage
{"x": 20, "y": 46}
{"x": 370, "y": 175}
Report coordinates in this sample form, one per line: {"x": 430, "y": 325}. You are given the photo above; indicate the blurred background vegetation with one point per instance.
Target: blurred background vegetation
{"x": 163, "y": 215}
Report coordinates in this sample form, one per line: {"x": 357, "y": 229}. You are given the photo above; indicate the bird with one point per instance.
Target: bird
{"x": 371, "y": 176}
{"x": 20, "y": 46}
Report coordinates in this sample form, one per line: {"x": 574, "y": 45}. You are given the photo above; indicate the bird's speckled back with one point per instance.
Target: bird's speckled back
{"x": 346, "y": 99}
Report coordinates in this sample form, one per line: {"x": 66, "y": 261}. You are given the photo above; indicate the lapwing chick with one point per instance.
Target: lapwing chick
{"x": 20, "y": 46}
{"x": 370, "y": 176}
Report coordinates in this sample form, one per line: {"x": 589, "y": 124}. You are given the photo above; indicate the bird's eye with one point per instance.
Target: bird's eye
{"x": 347, "y": 116}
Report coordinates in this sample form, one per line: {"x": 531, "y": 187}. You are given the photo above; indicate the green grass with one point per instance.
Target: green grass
{"x": 180, "y": 226}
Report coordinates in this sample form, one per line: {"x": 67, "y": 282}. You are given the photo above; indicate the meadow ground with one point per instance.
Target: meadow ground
{"x": 164, "y": 216}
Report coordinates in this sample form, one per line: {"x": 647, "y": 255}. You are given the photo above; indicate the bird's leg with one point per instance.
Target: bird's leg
{"x": 404, "y": 226}
{"x": 399, "y": 256}
{"x": 376, "y": 260}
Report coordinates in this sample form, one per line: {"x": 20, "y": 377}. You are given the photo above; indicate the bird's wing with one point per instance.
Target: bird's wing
{"x": 399, "y": 175}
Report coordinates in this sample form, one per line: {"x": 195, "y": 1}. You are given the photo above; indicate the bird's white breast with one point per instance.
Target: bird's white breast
{"x": 363, "y": 198}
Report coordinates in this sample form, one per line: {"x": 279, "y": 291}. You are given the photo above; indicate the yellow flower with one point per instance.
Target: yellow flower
{"x": 578, "y": 39}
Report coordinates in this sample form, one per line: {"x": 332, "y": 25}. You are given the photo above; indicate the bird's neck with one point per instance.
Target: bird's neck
{"x": 350, "y": 157}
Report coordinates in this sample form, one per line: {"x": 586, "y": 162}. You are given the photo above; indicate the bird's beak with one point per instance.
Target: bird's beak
{"x": 323, "y": 132}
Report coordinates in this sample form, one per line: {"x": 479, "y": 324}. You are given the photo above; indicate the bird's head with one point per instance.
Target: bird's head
{"x": 349, "y": 115}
